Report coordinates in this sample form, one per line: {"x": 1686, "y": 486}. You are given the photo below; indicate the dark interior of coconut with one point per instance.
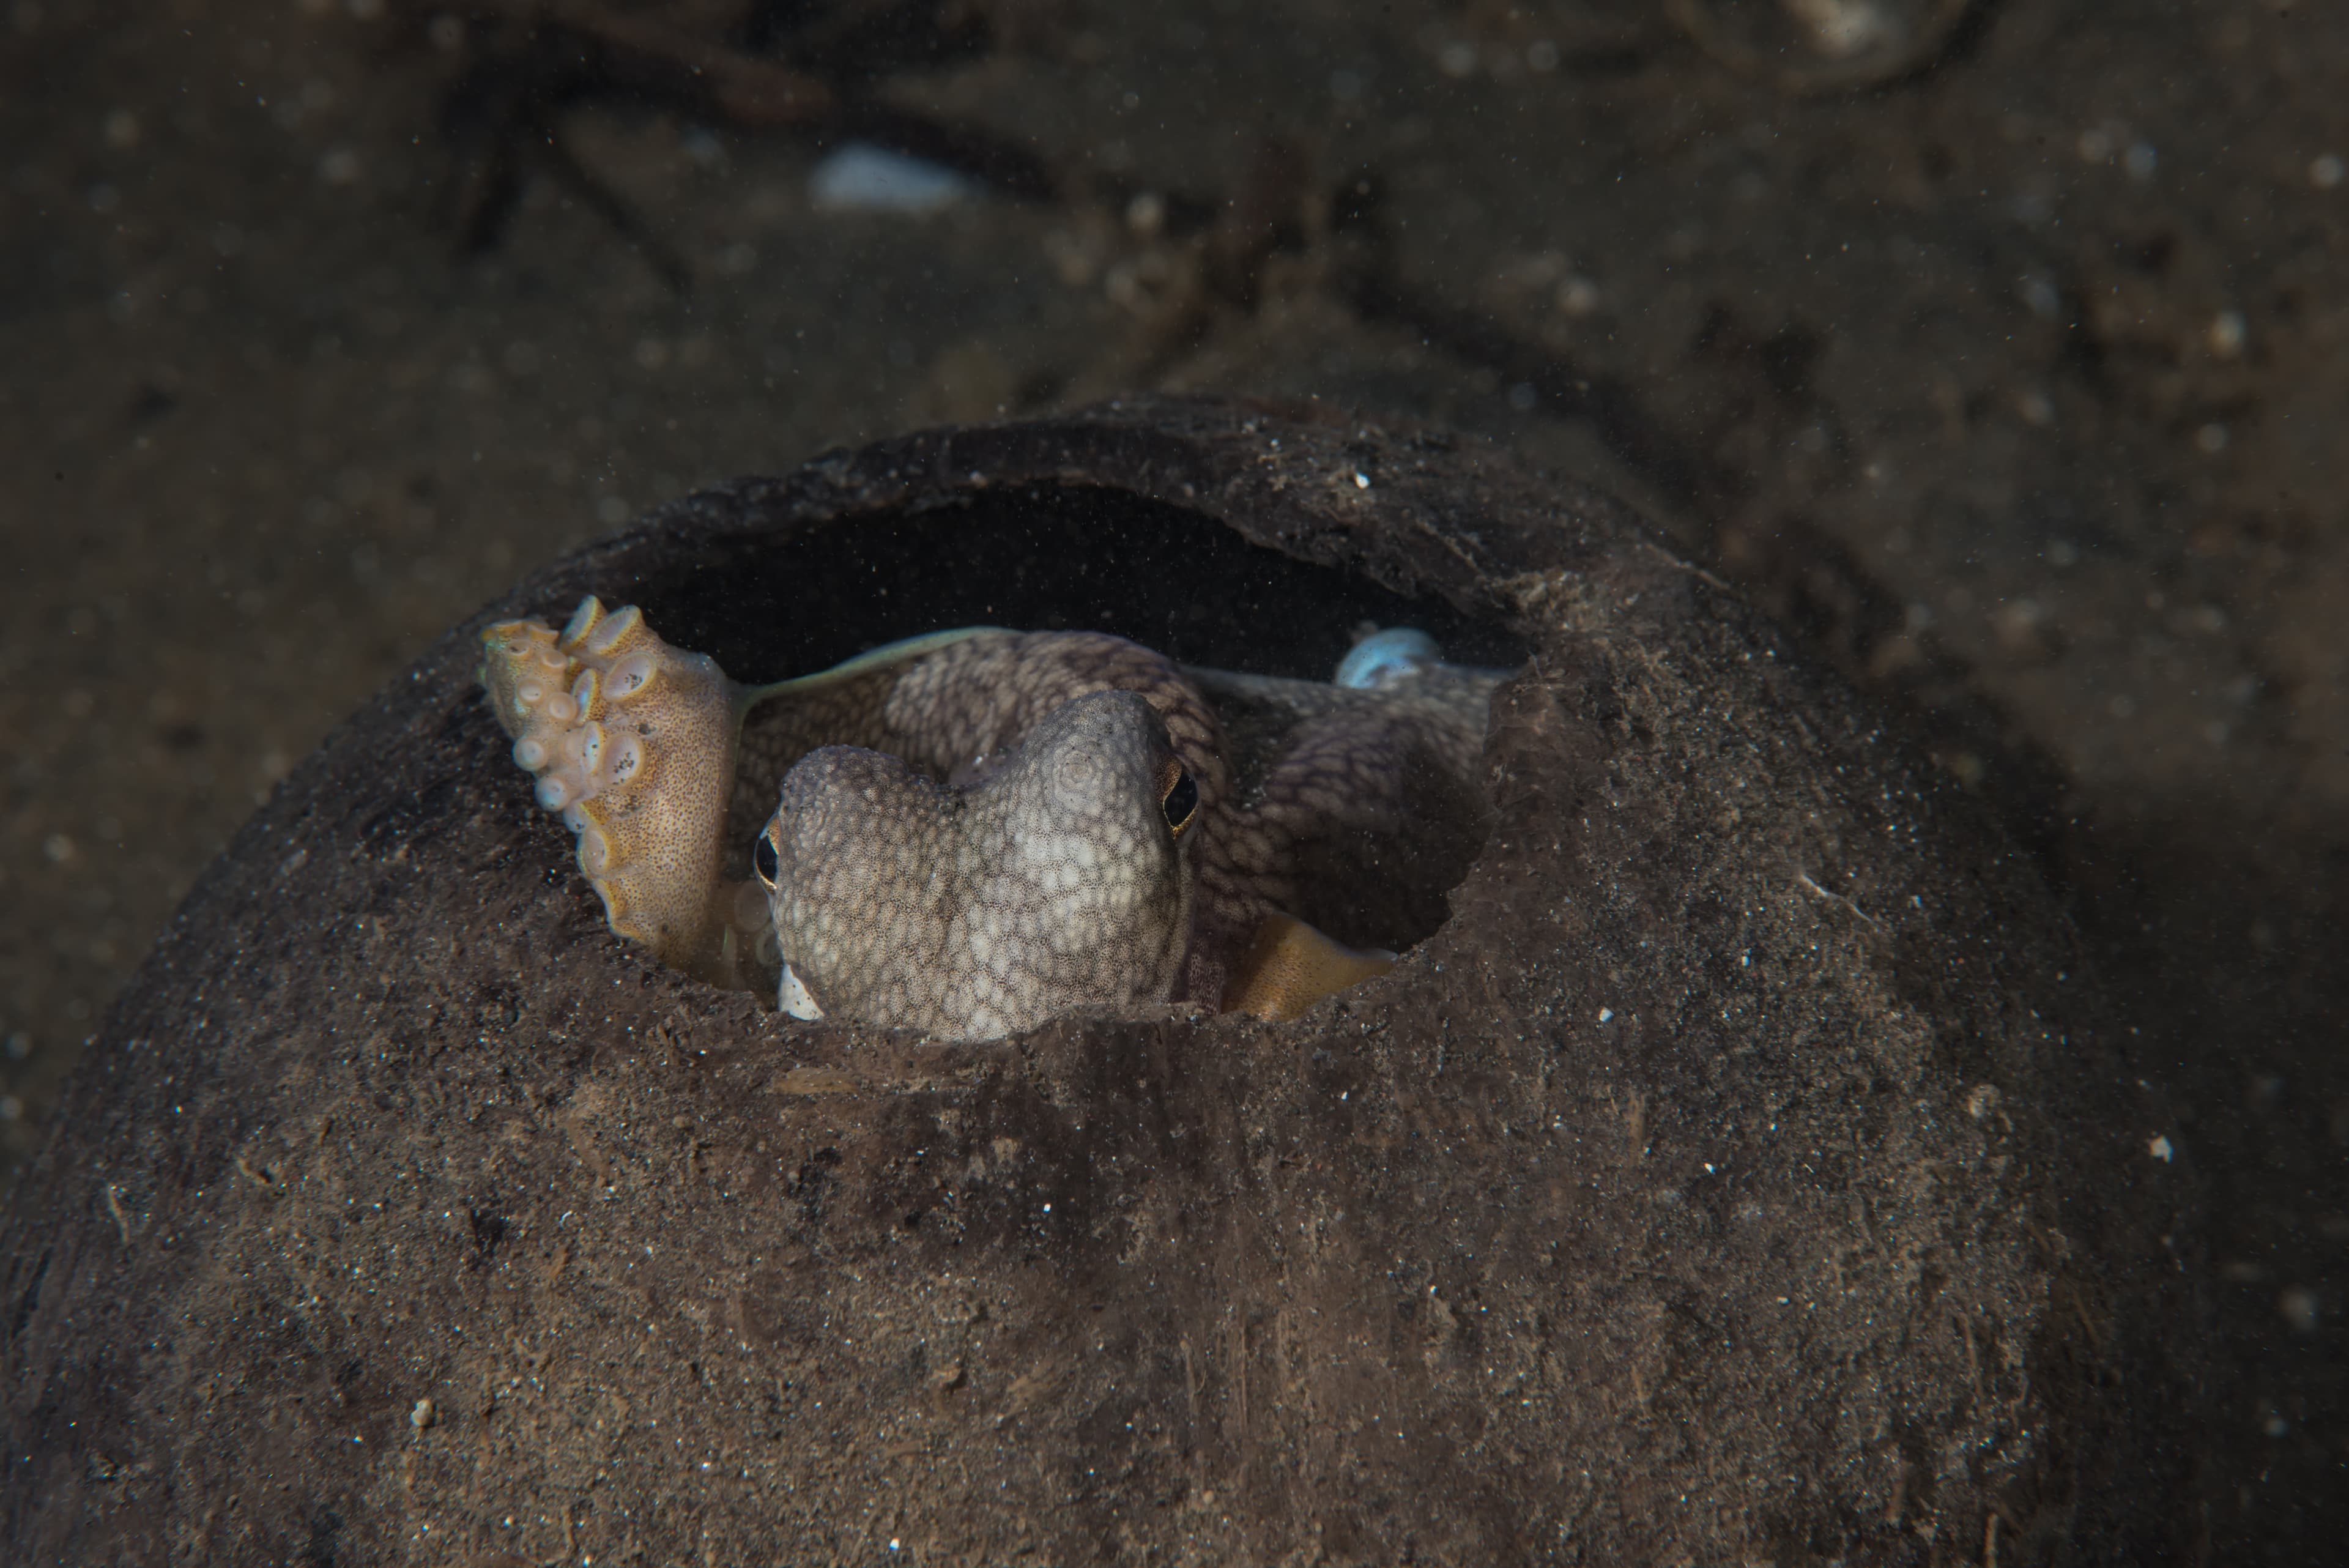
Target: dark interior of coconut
{"x": 1037, "y": 559}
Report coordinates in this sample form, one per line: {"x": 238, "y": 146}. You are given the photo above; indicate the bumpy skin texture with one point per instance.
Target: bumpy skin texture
{"x": 633, "y": 742}
{"x": 972, "y": 838}
{"x": 956, "y": 707}
{"x": 1059, "y": 884}
{"x": 1352, "y": 809}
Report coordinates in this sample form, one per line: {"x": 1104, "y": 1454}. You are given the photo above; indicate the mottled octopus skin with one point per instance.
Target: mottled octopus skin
{"x": 968, "y": 833}
{"x": 1067, "y": 886}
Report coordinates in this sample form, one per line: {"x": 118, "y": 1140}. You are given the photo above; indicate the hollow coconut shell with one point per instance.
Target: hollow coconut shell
{"x": 1749, "y": 1171}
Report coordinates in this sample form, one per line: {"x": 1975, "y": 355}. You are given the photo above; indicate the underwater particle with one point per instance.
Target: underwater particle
{"x": 2325, "y": 171}
{"x": 2211, "y": 438}
{"x": 1804, "y": 46}
{"x": 2227, "y": 333}
{"x": 1457, "y": 59}
{"x": 340, "y": 166}
{"x": 1578, "y": 296}
{"x": 857, "y": 176}
{"x": 2161, "y": 1149}
{"x": 2023, "y": 629}
{"x": 1145, "y": 215}
{"x": 2299, "y": 1306}
{"x": 1841, "y": 27}
{"x": 2140, "y": 161}
{"x": 421, "y": 1416}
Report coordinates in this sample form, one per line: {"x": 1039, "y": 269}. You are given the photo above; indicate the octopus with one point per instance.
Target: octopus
{"x": 970, "y": 832}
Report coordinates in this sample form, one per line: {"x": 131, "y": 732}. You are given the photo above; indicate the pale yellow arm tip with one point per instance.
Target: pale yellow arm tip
{"x": 1290, "y": 966}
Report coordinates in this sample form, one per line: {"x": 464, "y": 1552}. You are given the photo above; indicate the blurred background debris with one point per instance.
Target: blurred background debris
{"x": 1822, "y": 46}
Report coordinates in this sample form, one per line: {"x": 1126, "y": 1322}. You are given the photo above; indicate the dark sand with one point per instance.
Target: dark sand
{"x": 2022, "y": 379}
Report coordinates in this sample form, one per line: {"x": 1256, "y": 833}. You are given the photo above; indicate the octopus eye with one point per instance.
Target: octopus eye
{"x": 762, "y": 859}
{"x": 1180, "y": 800}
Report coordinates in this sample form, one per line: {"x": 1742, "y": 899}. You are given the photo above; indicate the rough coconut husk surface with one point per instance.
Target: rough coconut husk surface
{"x": 1747, "y": 1172}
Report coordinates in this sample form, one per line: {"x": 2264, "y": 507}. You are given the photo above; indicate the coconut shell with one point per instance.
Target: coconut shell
{"x": 1748, "y": 1170}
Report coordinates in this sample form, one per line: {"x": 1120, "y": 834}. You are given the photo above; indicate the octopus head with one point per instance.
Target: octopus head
{"x": 1057, "y": 880}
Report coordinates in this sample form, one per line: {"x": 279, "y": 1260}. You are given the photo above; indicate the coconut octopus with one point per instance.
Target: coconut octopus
{"x": 969, "y": 832}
